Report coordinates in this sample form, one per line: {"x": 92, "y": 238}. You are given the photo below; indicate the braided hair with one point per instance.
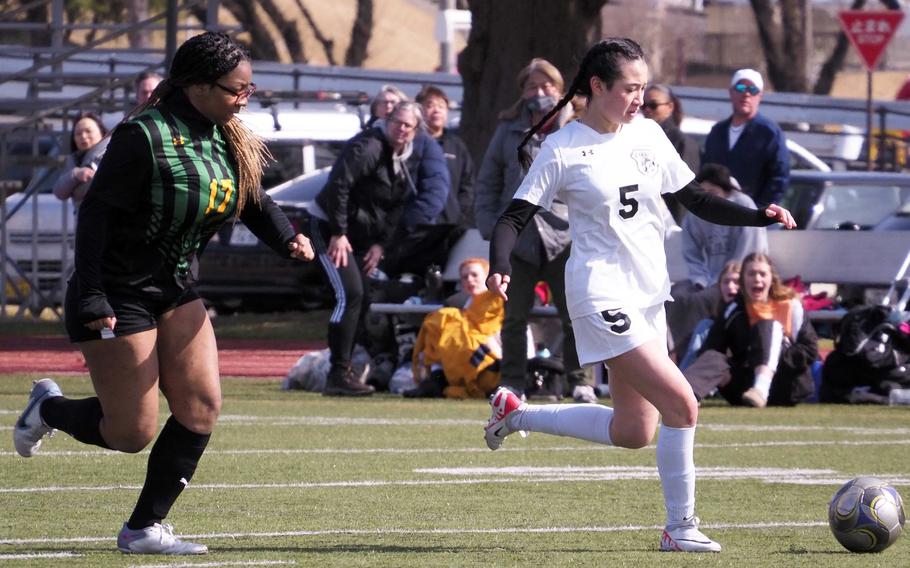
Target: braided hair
{"x": 604, "y": 61}
{"x": 201, "y": 60}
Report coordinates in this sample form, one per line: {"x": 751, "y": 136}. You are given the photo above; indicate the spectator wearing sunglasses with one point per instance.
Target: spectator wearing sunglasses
{"x": 751, "y": 145}
{"x": 663, "y": 107}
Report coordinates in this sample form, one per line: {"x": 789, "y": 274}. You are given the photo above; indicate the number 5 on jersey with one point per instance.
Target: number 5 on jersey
{"x": 627, "y": 201}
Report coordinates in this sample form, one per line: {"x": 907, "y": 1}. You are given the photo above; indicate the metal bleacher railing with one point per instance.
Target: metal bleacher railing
{"x": 33, "y": 129}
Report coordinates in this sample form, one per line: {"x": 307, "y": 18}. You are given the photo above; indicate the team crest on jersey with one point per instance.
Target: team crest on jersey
{"x": 644, "y": 159}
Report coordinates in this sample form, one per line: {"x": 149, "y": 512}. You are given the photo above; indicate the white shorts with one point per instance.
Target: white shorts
{"x": 611, "y": 333}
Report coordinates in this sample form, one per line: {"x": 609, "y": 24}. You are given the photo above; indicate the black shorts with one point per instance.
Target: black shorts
{"x": 135, "y": 312}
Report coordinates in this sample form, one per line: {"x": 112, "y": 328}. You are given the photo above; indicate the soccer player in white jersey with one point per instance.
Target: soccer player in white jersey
{"x": 611, "y": 168}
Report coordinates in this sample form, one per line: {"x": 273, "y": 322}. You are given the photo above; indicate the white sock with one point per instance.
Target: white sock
{"x": 676, "y": 467}
{"x": 763, "y": 381}
{"x": 584, "y": 421}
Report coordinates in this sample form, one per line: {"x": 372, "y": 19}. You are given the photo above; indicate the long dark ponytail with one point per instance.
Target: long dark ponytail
{"x": 603, "y": 60}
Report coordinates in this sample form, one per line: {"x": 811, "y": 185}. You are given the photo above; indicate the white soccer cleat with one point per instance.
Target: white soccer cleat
{"x": 685, "y": 537}
{"x": 503, "y": 402}
{"x": 30, "y": 430}
{"x": 156, "y": 539}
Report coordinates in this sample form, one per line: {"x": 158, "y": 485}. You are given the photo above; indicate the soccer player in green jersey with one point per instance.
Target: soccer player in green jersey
{"x": 175, "y": 170}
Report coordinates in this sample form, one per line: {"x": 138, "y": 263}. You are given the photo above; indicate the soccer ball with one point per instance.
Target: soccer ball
{"x": 866, "y": 515}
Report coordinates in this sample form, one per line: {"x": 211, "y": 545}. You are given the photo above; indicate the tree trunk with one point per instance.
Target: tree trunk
{"x": 505, "y": 35}
{"x": 835, "y": 62}
{"x": 361, "y": 33}
{"x": 262, "y": 45}
{"x": 138, "y": 10}
{"x": 288, "y": 30}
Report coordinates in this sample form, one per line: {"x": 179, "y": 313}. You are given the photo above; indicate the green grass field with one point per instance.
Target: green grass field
{"x": 293, "y": 478}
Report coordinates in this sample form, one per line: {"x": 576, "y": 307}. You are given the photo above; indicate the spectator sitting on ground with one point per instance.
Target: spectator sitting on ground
{"x": 88, "y": 141}
{"x": 710, "y": 304}
{"x": 458, "y": 348}
{"x": 707, "y": 248}
{"x": 751, "y": 145}
{"x": 771, "y": 343}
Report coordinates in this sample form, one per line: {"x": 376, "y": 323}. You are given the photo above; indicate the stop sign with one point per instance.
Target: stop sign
{"x": 870, "y": 31}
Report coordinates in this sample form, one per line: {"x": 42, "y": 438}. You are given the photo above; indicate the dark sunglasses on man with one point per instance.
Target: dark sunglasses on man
{"x": 652, "y": 105}
{"x": 744, "y": 88}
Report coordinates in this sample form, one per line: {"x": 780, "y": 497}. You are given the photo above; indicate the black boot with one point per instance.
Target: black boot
{"x": 340, "y": 382}
{"x": 431, "y": 387}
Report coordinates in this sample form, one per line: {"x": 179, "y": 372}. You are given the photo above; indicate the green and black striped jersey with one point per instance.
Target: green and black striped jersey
{"x": 193, "y": 187}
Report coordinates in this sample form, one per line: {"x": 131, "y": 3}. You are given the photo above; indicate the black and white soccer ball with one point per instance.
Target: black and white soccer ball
{"x": 866, "y": 515}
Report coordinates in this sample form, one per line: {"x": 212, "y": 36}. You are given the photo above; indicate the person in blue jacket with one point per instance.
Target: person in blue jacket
{"x": 751, "y": 145}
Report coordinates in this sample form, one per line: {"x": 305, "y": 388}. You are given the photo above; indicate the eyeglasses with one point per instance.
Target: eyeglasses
{"x": 652, "y": 105}
{"x": 744, "y": 88}
{"x": 242, "y": 94}
{"x": 406, "y": 126}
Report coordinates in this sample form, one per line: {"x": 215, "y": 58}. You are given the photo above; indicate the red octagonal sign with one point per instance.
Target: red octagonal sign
{"x": 870, "y": 31}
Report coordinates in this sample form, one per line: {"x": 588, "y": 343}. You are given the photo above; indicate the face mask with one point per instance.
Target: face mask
{"x": 541, "y": 103}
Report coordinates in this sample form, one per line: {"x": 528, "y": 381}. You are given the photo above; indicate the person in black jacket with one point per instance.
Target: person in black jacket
{"x": 356, "y": 218}
{"x": 761, "y": 347}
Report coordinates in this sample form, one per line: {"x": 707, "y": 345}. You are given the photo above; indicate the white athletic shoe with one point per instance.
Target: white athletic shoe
{"x": 156, "y": 539}
{"x": 754, "y": 398}
{"x": 504, "y": 402}
{"x": 30, "y": 429}
{"x": 584, "y": 393}
{"x": 685, "y": 537}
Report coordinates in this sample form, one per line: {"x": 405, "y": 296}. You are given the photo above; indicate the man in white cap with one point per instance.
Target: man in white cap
{"x": 751, "y": 145}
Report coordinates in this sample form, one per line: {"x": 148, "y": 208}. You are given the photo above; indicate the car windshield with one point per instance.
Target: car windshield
{"x": 846, "y": 205}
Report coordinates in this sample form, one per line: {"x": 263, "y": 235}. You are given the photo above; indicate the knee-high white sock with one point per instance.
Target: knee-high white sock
{"x": 584, "y": 421}
{"x": 763, "y": 378}
{"x": 676, "y": 467}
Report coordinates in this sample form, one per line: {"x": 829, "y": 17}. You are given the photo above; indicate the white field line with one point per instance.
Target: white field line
{"x": 479, "y": 450}
{"x": 216, "y": 564}
{"x": 410, "y": 531}
{"x": 475, "y": 476}
{"x": 231, "y": 420}
{"x": 38, "y": 555}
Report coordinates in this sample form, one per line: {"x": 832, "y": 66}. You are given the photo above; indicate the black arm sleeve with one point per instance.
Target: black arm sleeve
{"x": 510, "y": 224}
{"x": 91, "y": 237}
{"x": 269, "y": 223}
{"x": 720, "y": 211}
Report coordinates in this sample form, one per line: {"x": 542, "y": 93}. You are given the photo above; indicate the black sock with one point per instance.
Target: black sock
{"x": 81, "y": 418}
{"x": 172, "y": 463}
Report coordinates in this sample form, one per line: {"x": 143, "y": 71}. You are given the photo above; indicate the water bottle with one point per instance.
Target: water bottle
{"x": 899, "y": 397}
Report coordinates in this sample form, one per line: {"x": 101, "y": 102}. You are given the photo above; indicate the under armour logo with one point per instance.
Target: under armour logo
{"x": 586, "y": 153}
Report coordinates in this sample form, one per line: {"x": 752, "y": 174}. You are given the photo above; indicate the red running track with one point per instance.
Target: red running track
{"x": 264, "y": 358}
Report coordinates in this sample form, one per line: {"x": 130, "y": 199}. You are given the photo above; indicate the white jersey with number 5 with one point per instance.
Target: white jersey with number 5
{"x": 612, "y": 184}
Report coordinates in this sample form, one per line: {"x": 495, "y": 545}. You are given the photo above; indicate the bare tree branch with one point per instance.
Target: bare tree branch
{"x": 262, "y": 45}
{"x": 327, "y": 44}
{"x": 287, "y": 28}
